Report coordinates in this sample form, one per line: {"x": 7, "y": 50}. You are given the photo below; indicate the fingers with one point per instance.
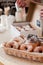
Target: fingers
{"x": 21, "y": 3}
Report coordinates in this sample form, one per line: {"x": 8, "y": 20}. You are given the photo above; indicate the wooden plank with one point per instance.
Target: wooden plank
{"x": 31, "y": 11}
{"x": 1, "y": 63}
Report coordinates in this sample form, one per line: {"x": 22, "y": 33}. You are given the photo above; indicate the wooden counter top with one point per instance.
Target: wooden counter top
{"x": 1, "y": 63}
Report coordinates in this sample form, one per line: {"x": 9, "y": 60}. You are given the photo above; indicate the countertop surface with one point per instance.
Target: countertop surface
{"x": 9, "y": 34}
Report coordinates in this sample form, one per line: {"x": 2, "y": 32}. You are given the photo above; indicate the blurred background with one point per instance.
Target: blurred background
{"x": 11, "y": 3}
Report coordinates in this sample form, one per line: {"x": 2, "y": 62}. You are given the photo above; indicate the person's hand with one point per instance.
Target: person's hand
{"x": 21, "y": 3}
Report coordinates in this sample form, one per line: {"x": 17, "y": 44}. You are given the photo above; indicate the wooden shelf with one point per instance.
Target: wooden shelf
{"x": 20, "y": 23}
